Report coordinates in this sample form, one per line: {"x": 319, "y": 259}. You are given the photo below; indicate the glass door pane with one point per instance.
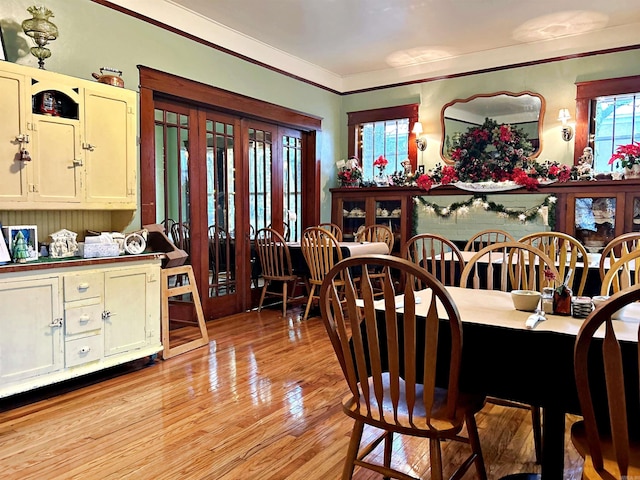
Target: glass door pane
{"x": 595, "y": 221}
{"x": 221, "y": 214}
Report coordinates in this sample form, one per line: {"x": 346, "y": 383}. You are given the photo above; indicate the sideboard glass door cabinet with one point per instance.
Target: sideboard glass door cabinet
{"x": 355, "y": 208}
{"x": 599, "y": 211}
{"x": 592, "y": 211}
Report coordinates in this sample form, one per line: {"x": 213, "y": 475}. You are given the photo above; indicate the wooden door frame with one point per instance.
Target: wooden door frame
{"x": 156, "y": 84}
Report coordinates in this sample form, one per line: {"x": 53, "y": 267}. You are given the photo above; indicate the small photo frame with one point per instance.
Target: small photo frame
{"x": 29, "y": 241}
{"x": 4, "y": 251}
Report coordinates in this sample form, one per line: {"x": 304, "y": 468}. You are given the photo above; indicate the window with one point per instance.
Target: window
{"x": 386, "y": 132}
{"x": 616, "y": 121}
{"x": 607, "y": 115}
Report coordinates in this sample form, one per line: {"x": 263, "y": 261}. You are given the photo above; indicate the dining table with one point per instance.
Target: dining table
{"x": 503, "y": 358}
{"x": 592, "y": 285}
{"x": 348, "y": 249}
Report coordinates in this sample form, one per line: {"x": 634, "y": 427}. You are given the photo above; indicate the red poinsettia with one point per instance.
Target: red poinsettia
{"x": 424, "y": 181}
{"x": 522, "y": 178}
{"x": 449, "y": 175}
{"x": 380, "y": 162}
{"x": 628, "y": 155}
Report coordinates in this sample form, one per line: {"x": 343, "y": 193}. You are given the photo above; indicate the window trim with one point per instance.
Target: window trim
{"x": 354, "y": 119}
{"x": 585, "y": 93}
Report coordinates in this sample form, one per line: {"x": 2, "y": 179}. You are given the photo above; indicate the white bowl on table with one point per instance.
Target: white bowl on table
{"x": 525, "y": 300}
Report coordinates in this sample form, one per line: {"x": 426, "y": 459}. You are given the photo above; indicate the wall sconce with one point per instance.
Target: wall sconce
{"x": 567, "y": 130}
{"x": 421, "y": 143}
{"x": 41, "y": 30}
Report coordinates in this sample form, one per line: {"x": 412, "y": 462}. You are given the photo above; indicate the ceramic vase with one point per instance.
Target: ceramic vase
{"x": 632, "y": 172}
{"x": 381, "y": 179}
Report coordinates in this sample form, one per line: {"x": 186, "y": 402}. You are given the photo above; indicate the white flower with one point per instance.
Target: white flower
{"x": 485, "y": 205}
{"x": 553, "y": 199}
{"x": 522, "y": 217}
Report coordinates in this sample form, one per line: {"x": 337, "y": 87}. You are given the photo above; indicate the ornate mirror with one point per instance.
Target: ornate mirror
{"x": 524, "y": 110}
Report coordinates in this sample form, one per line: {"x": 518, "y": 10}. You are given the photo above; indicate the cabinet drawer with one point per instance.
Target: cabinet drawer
{"x": 82, "y": 350}
{"x": 84, "y": 285}
{"x": 83, "y": 316}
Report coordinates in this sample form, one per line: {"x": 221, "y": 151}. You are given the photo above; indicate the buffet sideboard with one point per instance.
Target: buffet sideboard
{"x": 64, "y": 319}
{"x": 592, "y": 211}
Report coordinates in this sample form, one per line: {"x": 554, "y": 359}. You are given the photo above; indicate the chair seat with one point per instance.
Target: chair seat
{"x": 579, "y": 439}
{"x": 439, "y": 422}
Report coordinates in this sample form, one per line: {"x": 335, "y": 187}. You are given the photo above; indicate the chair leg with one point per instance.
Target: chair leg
{"x": 536, "y": 424}
{"x": 435, "y": 456}
{"x": 309, "y": 302}
{"x": 352, "y": 452}
{"x": 388, "y": 451}
{"x": 474, "y": 441}
{"x": 284, "y": 299}
{"x": 264, "y": 292}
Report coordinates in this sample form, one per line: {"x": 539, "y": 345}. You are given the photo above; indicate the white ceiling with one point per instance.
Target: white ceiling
{"x": 347, "y": 45}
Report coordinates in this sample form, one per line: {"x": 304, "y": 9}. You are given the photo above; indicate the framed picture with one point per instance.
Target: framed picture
{"x": 22, "y": 242}
{"x": 3, "y": 50}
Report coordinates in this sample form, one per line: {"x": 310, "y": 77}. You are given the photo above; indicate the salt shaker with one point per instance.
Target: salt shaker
{"x": 547, "y": 300}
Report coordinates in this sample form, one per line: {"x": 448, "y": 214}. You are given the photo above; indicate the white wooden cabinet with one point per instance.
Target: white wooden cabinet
{"x": 31, "y": 339}
{"x": 64, "y": 322}
{"x": 82, "y": 157}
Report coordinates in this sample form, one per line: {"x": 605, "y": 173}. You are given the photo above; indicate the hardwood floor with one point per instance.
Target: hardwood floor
{"x": 262, "y": 401}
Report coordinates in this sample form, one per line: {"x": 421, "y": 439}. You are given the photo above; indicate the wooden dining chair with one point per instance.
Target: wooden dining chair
{"x": 624, "y": 273}
{"x": 509, "y": 266}
{"x": 275, "y": 263}
{"x": 606, "y": 372}
{"x": 487, "y": 237}
{"x": 437, "y": 254}
{"x": 616, "y": 248}
{"x": 376, "y": 233}
{"x": 392, "y": 382}
{"x": 321, "y": 252}
{"x": 567, "y": 252}
{"x": 334, "y": 229}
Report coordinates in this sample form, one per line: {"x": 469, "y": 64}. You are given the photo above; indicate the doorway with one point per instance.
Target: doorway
{"x": 215, "y": 177}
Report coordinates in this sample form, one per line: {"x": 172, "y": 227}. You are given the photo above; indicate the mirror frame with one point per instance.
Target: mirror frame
{"x": 536, "y": 152}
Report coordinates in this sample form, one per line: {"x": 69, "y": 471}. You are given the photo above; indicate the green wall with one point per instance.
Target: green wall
{"x": 93, "y": 36}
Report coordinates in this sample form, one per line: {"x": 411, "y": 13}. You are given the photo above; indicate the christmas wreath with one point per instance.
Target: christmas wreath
{"x": 494, "y": 152}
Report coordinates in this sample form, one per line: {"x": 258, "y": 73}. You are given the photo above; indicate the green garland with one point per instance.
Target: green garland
{"x": 480, "y": 201}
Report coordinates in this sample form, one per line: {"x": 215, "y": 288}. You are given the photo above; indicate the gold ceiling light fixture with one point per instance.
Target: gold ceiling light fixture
{"x": 41, "y": 30}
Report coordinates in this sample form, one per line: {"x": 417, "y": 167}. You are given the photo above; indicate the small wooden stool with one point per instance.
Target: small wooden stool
{"x": 181, "y": 289}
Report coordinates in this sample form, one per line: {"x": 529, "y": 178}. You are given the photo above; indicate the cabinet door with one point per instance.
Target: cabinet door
{"x": 56, "y": 159}
{"x": 110, "y": 147}
{"x": 31, "y": 342}
{"x": 125, "y": 304}
{"x": 13, "y": 105}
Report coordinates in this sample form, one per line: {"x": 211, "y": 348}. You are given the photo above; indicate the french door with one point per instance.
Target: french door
{"x": 198, "y": 178}
{"x": 218, "y": 180}
{"x": 214, "y": 167}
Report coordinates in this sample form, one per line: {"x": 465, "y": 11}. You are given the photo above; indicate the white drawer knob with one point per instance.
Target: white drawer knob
{"x": 84, "y": 318}
{"x": 83, "y": 286}
{"x": 85, "y": 350}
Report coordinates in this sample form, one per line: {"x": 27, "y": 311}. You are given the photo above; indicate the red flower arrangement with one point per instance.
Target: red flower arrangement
{"x": 627, "y": 155}
{"x": 380, "y": 162}
{"x": 495, "y": 153}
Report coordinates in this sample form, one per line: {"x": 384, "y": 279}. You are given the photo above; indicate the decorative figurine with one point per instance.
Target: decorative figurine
{"x": 20, "y": 248}
{"x": 63, "y": 244}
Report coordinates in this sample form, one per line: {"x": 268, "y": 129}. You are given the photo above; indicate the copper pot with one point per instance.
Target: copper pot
{"x": 110, "y": 76}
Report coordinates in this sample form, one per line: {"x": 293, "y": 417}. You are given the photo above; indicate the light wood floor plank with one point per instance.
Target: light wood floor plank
{"x": 261, "y": 401}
